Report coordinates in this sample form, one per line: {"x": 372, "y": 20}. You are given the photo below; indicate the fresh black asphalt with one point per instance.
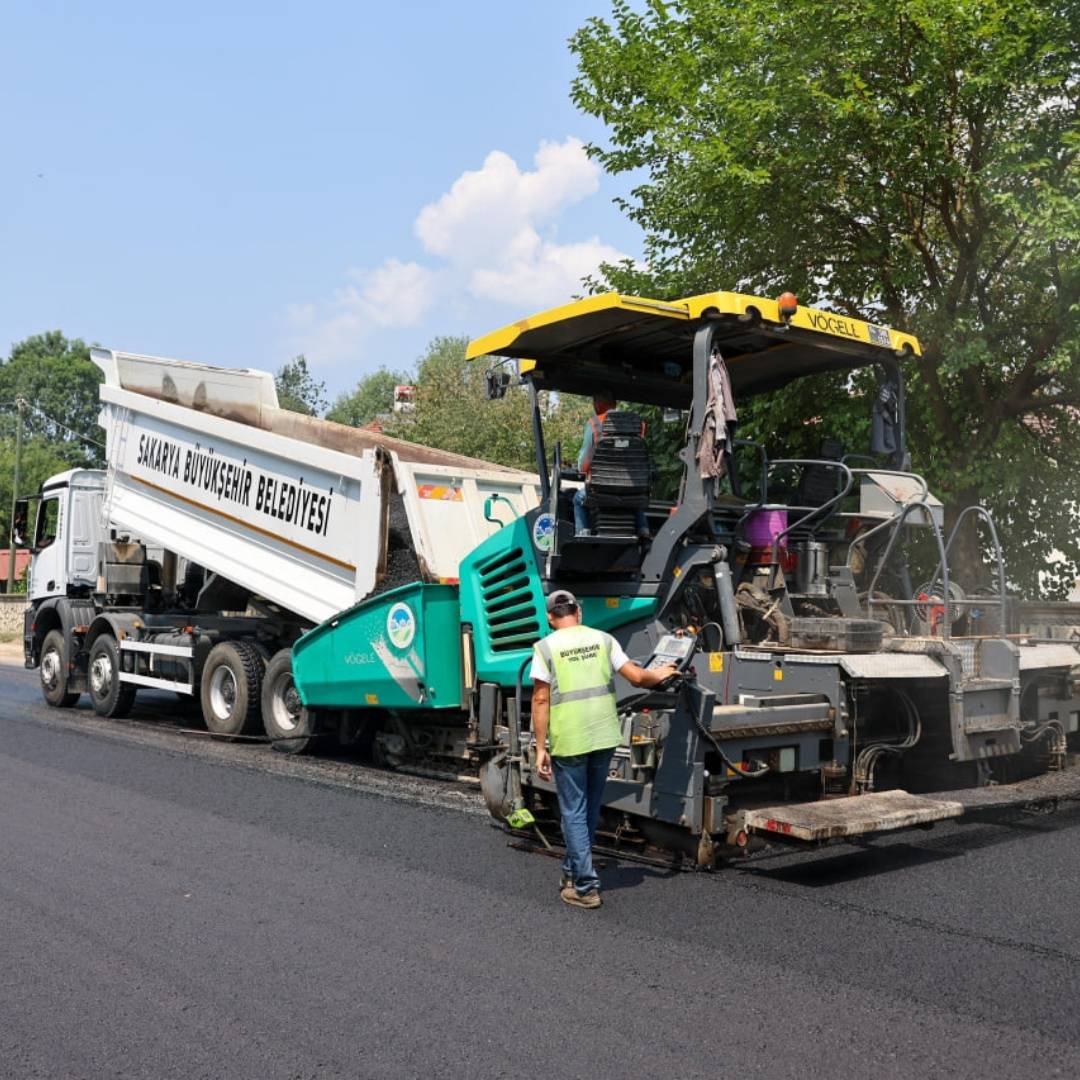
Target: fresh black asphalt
{"x": 173, "y": 907}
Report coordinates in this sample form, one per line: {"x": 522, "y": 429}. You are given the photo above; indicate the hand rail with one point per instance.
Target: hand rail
{"x": 982, "y": 512}
{"x": 814, "y": 511}
{"x": 920, "y": 504}
{"x": 554, "y": 489}
{"x": 490, "y": 501}
{"x": 763, "y": 486}
{"x": 810, "y": 511}
{"x": 860, "y": 540}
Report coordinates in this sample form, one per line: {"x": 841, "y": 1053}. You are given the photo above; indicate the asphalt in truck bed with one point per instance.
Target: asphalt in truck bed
{"x": 175, "y": 907}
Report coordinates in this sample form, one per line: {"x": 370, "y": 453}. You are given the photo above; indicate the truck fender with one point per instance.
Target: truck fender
{"x": 119, "y": 624}
{"x": 69, "y": 615}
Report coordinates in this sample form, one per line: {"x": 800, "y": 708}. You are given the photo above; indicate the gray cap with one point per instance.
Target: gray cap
{"x": 561, "y": 596}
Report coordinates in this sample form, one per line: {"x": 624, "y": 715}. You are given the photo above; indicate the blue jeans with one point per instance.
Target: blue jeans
{"x": 581, "y": 517}
{"x": 580, "y": 782}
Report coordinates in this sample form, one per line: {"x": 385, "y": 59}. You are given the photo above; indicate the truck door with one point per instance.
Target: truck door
{"x": 83, "y": 535}
{"x": 47, "y": 569}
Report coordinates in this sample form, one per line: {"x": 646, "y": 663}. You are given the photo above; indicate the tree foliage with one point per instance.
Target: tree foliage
{"x": 452, "y": 412}
{"x": 298, "y": 389}
{"x": 40, "y": 460}
{"x": 372, "y": 396}
{"x": 911, "y": 163}
{"x": 55, "y": 377}
{"x": 60, "y": 384}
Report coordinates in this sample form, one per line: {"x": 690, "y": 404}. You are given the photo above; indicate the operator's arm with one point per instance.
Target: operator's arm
{"x": 541, "y": 702}
{"x": 645, "y": 677}
{"x": 585, "y": 453}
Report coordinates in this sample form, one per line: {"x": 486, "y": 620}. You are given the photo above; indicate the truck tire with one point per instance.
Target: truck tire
{"x": 289, "y": 726}
{"x": 53, "y": 671}
{"x": 231, "y": 683}
{"x": 109, "y": 696}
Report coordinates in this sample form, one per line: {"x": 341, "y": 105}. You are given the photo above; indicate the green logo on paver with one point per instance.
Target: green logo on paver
{"x": 401, "y": 625}
{"x": 544, "y": 532}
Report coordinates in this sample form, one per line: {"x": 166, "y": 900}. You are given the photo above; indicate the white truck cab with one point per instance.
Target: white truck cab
{"x": 66, "y": 535}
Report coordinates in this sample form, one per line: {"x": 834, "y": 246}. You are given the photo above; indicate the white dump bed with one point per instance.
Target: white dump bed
{"x": 202, "y": 462}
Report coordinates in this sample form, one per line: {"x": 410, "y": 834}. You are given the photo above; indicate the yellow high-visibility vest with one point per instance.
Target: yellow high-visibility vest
{"x": 584, "y": 715}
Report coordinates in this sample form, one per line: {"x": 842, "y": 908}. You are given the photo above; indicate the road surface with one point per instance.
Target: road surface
{"x": 175, "y": 907}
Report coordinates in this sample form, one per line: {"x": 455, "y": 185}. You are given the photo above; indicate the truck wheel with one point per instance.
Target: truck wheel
{"x": 289, "y": 726}
{"x": 231, "y": 681}
{"x": 109, "y": 696}
{"x": 53, "y": 671}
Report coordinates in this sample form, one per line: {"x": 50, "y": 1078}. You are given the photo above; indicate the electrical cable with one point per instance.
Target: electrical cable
{"x": 746, "y": 774}
{"x": 716, "y": 625}
{"x": 867, "y": 760}
{"x": 63, "y": 427}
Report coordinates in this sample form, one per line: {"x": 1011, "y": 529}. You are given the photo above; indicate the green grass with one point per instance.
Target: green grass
{"x": 6, "y": 637}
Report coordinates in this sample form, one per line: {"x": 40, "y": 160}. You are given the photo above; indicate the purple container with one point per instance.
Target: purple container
{"x": 763, "y": 526}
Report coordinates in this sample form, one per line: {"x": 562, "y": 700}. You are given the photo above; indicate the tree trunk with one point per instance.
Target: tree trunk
{"x": 971, "y": 555}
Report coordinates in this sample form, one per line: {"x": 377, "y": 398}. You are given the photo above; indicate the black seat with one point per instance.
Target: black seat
{"x": 619, "y": 475}
{"x": 819, "y": 483}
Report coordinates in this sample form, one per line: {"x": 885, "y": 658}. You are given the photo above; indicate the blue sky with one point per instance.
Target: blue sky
{"x": 235, "y": 183}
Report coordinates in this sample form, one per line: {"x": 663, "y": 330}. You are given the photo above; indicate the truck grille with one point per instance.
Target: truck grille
{"x": 509, "y": 608}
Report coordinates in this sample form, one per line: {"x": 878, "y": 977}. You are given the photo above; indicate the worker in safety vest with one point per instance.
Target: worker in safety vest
{"x": 573, "y": 707}
{"x": 603, "y": 403}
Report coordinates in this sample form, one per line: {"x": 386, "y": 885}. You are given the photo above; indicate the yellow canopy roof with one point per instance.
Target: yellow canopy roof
{"x": 619, "y": 340}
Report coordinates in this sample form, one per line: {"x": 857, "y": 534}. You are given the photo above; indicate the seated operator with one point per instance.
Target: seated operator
{"x": 603, "y": 402}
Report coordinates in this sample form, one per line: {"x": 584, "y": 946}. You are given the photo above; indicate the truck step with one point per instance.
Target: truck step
{"x": 881, "y": 811}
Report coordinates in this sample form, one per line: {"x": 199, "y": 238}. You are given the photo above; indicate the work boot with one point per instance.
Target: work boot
{"x": 571, "y": 896}
{"x": 565, "y": 881}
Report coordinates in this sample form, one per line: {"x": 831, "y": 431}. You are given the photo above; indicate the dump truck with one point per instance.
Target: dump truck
{"x": 839, "y": 674}
{"x": 223, "y": 529}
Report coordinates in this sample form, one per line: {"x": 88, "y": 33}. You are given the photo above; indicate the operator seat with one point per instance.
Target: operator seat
{"x": 620, "y": 474}
{"x": 818, "y": 483}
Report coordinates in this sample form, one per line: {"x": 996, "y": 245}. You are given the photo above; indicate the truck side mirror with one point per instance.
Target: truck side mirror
{"x": 18, "y": 524}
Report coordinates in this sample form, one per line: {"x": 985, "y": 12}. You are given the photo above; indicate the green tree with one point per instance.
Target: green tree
{"x": 55, "y": 375}
{"x": 372, "y": 396}
{"x": 41, "y": 459}
{"x": 298, "y": 389}
{"x": 452, "y": 412}
{"x": 911, "y": 163}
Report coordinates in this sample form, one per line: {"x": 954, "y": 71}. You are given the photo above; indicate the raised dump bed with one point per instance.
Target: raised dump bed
{"x": 294, "y": 509}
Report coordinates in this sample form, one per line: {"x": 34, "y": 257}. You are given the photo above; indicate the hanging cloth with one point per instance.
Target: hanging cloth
{"x": 719, "y": 412}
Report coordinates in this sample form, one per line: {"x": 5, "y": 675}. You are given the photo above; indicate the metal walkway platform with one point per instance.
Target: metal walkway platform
{"x": 889, "y": 811}
{"x": 833, "y": 819}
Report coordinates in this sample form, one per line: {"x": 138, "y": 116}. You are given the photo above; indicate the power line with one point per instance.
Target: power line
{"x": 45, "y": 416}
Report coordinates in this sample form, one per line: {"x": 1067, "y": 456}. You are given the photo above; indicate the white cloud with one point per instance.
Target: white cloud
{"x": 395, "y": 294}
{"x": 484, "y": 210}
{"x": 491, "y": 237}
{"x": 546, "y": 274}
{"x": 487, "y": 226}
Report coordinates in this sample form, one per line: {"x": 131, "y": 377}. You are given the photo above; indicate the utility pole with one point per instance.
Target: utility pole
{"x": 20, "y": 405}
